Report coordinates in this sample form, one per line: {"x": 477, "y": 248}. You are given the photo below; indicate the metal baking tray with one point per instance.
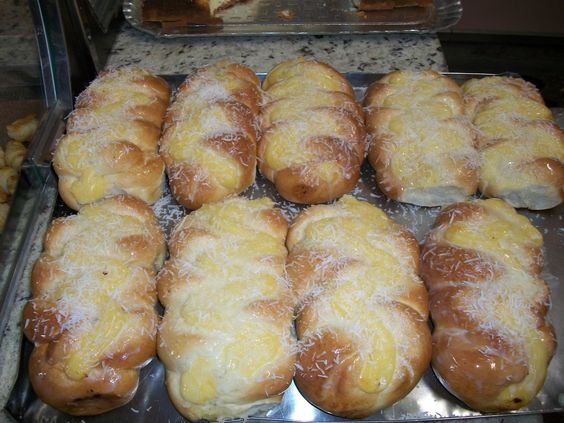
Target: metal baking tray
{"x": 429, "y": 400}
{"x": 175, "y": 18}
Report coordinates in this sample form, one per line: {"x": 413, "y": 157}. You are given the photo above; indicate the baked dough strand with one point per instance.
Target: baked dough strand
{"x": 92, "y": 315}
{"x": 226, "y": 338}
{"x": 492, "y": 342}
{"x": 362, "y": 310}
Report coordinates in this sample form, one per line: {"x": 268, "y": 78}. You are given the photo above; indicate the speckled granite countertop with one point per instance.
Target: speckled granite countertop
{"x": 347, "y": 53}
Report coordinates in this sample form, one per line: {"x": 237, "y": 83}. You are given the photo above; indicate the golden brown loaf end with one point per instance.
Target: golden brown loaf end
{"x": 521, "y": 147}
{"x": 492, "y": 342}
{"x": 226, "y": 338}
{"x": 421, "y": 145}
{"x": 362, "y": 310}
{"x": 111, "y": 143}
{"x": 91, "y": 316}
{"x": 209, "y": 144}
{"x": 313, "y": 137}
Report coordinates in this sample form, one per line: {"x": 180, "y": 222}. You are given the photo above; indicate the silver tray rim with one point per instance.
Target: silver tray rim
{"x": 461, "y": 412}
{"x": 447, "y": 14}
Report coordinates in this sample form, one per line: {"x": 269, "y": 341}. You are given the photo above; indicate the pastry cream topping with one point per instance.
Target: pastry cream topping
{"x": 233, "y": 265}
{"x": 359, "y": 297}
{"x": 197, "y": 382}
{"x": 500, "y": 237}
{"x": 91, "y": 294}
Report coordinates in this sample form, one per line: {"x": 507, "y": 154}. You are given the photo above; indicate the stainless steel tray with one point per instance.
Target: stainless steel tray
{"x": 428, "y": 400}
{"x": 256, "y": 17}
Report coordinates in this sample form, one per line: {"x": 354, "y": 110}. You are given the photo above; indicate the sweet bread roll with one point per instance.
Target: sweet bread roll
{"x": 492, "y": 342}
{"x": 23, "y": 129}
{"x": 111, "y": 143}
{"x": 226, "y": 338}
{"x": 313, "y": 136}
{"x": 422, "y": 146}
{"x": 521, "y": 147}
{"x": 362, "y": 309}
{"x": 14, "y": 154}
{"x": 209, "y": 144}
{"x": 91, "y": 316}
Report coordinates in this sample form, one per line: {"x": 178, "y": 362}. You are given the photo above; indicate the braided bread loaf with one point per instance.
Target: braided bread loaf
{"x": 111, "y": 142}
{"x": 313, "y": 137}
{"x": 362, "y": 322}
{"x": 492, "y": 343}
{"x": 521, "y": 147}
{"x": 91, "y": 315}
{"x": 422, "y": 146}
{"x": 14, "y": 154}
{"x": 8, "y": 181}
{"x": 209, "y": 144}
{"x": 226, "y": 338}
{"x": 24, "y": 128}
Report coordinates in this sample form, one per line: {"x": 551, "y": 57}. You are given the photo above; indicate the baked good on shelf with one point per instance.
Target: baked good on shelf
{"x": 8, "y": 181}
{"x": 209, "y": 141}
{"x": 226, "y": 338}
{"x": 24, "y": 128}
{"x": 521, "y": 147}
{"x": 14, "y": 153}
{"x": 421, "y": 146}
{"x": 492, "y": 342}
{"x": 313, "y": 137}
{"x": 111, "y": 142}
{"x": 362, "y": 310}
{"x": 91, "y": 315}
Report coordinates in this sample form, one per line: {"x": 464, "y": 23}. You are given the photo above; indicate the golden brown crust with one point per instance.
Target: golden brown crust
{"x": 421, "y": 145}
{"x": 491, "y": 341}
{"x": 356, "y": 309}
{"x": 111, "y": 143}
{"x": 521, "y": 147}
{"x": 209, "y": 144}
{"x": 313, "y": 139}
{"x": 228, "y": 311}
{"x": 91, "y": 315}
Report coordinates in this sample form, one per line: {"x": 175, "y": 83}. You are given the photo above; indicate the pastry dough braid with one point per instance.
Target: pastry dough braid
{"x": 313, "y": 137}
{"x": 111, "y": 142}
{"x": 226, "y": 338}
{"x": 362, "y": 321}
{"x": 91, "y": 316}
{"x": 491, "y": 342}
{"x": 422, "y": 145}
{"x": 209, "y": 144}
{"x": 521, "y": 147}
